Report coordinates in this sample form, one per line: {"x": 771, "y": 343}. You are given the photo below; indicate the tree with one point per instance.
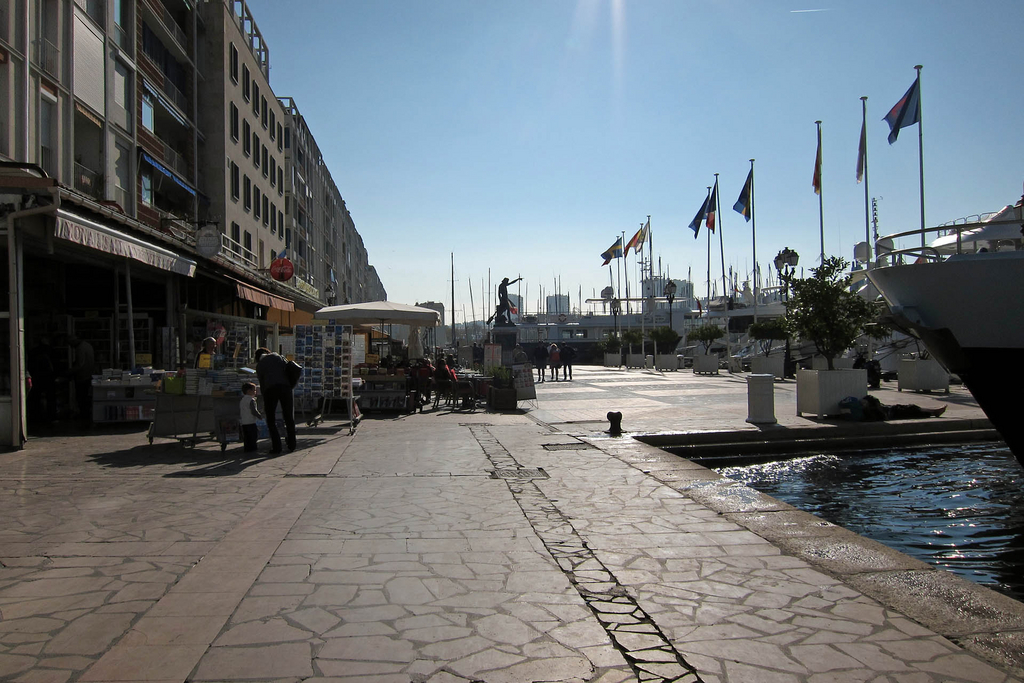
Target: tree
{"x": 767, "y": 331}
{"x": 825, "y": 311}
{"x": 630, "y": 337}
{"x": 706, "y": 334}
{"x": 613, "y": 344}
{"x": 665, "y": 339}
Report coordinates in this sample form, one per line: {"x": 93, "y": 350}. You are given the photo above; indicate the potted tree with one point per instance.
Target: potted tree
{"x": 824, "y": 311}
{"x": 629, "y": 338}
{"x": 707, "y": 334}
{"x": 612, "y": 351}
{"x": 765, "y": 332}
{"x": 921, "y": 372}
{"x": 665, "y": 340}
{"x": 502, "y": 394}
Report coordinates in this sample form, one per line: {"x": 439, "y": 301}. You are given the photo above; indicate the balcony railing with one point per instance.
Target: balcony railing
{"x": 233, "y": 251}
{"x": 94, "y": 8}
{"x": 173, "y": 27}
{"x": 88, "y": 181}
{"x": 48, "y": 160}
{"x": 47, "y": 57}
{"x": 176, "y": 161}
{"x": 123, "y": 39}
{"x": 176, "y": 95}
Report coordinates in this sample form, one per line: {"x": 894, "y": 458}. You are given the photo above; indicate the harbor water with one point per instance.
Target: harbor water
{"x": 960, "y": 508}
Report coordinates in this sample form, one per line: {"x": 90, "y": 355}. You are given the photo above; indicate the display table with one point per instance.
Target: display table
{"x": 120, "y": 402}
{"x": 384, "y": 392}
{"x": 193, "y": 418}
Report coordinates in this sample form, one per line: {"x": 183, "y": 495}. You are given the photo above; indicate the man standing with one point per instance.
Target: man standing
{"x": 540, "y": 360}
{"x": 275, "y": 387}
{"x": 82, "y": 371}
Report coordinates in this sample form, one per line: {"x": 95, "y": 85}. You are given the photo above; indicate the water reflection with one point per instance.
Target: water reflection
{"x": 956, "y": 507}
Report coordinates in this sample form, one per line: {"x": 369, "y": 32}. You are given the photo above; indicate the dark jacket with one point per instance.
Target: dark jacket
{"x": 271, "y": 371}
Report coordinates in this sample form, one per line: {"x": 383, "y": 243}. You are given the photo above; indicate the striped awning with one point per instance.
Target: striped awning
{"x": 262, "y": 297}
{"x": 88, "y": 233}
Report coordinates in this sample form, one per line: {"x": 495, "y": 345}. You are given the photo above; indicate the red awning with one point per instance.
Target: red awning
{"x": 262, "y": 297}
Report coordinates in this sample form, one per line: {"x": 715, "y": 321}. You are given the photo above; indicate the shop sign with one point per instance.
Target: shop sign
{"x": 208, "y": 241}
{"x": 282, "y": 269}
{"x": 307, "y": 288}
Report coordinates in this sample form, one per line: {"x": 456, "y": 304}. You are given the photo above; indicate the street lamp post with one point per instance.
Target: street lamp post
{"x": 670, "y": 294}
{"x": 785, "y": 263}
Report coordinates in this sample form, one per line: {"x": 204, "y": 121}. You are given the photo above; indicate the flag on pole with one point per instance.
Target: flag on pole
{"x": 614, "y": 251}
{"x": 644, "y": 232}
{"x": 904, "y": 113}
{"x": 743, "y": 204}
{"x": 702, "y": 213}
{"x": 634, "y": 242}
{"x": 712, "y": 207}
{"x": 816, "y": 178}
{"x": 862, "y": 151}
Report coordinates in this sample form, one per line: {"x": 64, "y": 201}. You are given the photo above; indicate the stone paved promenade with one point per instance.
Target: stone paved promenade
{"x": 468, "y": 546}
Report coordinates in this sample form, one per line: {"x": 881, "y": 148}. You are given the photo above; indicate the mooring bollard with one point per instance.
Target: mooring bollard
{"x": 761, "y": 399}
{"x": 615, "y": 420}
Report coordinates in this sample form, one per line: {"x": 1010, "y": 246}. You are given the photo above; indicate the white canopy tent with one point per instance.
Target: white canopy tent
{"x": 385, "y": 313}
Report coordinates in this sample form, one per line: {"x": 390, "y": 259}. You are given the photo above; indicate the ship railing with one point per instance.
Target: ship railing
{"x": 887, "y": 255}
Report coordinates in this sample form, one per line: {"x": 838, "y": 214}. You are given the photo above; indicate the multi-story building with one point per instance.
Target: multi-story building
{"x": 146, "y": 178}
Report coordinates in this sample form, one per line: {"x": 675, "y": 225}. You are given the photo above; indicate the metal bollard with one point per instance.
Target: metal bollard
{"x": 615, "y": 418}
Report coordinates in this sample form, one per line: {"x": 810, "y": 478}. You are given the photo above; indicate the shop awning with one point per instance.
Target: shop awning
{"x": 170, "y": 174}
{"x": 262, "y": 297}
{"x": 87, "y": 233}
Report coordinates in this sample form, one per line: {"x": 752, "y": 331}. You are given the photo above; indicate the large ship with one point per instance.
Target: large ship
{"x": 963, "y": 294}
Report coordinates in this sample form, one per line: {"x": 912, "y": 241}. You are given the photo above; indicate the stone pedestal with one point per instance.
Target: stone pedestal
{"x": 507, "y": 336}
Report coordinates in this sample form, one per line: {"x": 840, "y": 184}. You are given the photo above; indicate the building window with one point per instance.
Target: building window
{"x": 147, "y": 112}
{"x": 265, "y": 168}
{"x": 280, "y": 180}
{"x": 245, "y": 137}
{"x": 280, "y": 137}
{"x": 273, "y": 172}
{"x": 287, "y": 137}
{"x": 266, "y": 210}
{"x": 263, "y": 111}
{"x": 256, "y": 99}
{"x": 234, "y": 64}
{"x": 147, "y": 187}
{"x": 273, "y": 124}
{"x": 245, "y": 82}
{"x": 273, "y": 219}
{"x": 248, "y": 242}
{"x": 234, "y": 181}
{"x": 256, "y": 204}
{"x": 255, "y": 150}
{"x": 247, "y": 188}
{"x": 234, "y": 122}
{"x": 280, "y": 222}
{"x": 236, "y": 236}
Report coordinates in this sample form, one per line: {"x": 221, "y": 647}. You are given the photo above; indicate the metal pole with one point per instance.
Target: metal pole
{"x": 821, "y": 199}
{"x": 753, "y": 234}
{"x": 920, "y": 146}
{"x": 864, "y": 160}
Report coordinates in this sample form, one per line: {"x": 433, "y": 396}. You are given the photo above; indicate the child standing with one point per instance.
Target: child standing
{"x": 249, "y": 412}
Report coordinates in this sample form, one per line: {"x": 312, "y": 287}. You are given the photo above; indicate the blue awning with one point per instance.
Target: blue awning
{"x": 171, "y": 109}
{"x": 169, "y": 173}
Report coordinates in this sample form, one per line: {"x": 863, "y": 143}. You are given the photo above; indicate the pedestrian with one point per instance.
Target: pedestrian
{"x": 540, "y": 359}
{"x": 568, "y": 356}
{"x": 518, "y": 355}
{"x": 555, "y": 359}
{"x": 82, "y": 371}
{"x": 42, "y": 398}
{"x": 207, "y": 351}
{"x": 271, "y": 370}
{"x": 248, "y": 413}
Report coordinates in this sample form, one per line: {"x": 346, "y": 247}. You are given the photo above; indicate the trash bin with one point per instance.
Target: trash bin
{"x": 761, "y": 399}
{"x": 649, "y": 361}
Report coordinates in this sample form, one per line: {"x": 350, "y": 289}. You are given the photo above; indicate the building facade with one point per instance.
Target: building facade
{"x": 145, "y": 179}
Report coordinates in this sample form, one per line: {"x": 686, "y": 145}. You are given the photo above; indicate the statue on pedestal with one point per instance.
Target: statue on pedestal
{"x": 502, "y": 316}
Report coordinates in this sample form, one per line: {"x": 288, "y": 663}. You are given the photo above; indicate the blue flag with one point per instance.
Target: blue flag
{"x": 699, "y": 218}
{"x": 614, "y": 251}
{"x": 904, "y": 113}
{"x": 745, "y": 202}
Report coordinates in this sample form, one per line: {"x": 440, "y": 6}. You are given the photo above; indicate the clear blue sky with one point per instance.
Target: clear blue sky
{"x": 525, "y": 135}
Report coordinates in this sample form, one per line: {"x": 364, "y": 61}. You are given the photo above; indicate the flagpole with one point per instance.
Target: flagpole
{"x": 821, "y": 198}
{"x": 721, "y": 241}
{"x": 864, "y": 160}
{"x": 920, "y": 146}
{"x": 709, "y": 256}
{"x": 650, "y": 261}
{"x": 618, "y": 263}
{"x": 753, "y": 234}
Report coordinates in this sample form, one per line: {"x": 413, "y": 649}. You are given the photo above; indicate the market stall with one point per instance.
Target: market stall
{"x": 380, "y": 390}
{"x": 325, "y": 353}
{"x": 199, "y": 405}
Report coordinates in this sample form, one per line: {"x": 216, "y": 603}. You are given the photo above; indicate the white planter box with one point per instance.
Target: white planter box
{"x": 922, "y": 375}
{"x": 666, "y": 361}
{"x": 772, "y": 365}
{"x": 819, "y": 363}
{"x": 612, "y": 360}
{"x": 634, "y": 360}
{"x": 819, "y": 391}
{"x": 705, "y": 364}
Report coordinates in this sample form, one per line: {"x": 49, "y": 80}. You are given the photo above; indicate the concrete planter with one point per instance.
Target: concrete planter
{"x": 772, "y": 365}
{"x": 705, "y": 364}
{"x": 612, "y": 360}
{"x": 820, "y": 391}
{"x": 820, "y": 363}
{"x": 666, "y": 361}
{"x": 634, "y": 360}
{"x": 916, "y": 374}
